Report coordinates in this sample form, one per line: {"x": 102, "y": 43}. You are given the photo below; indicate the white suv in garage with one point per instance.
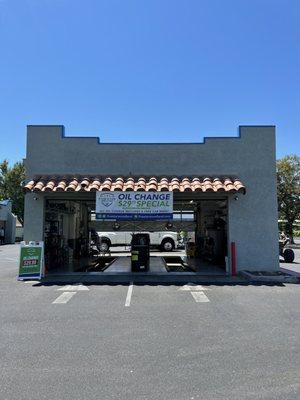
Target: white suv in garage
{"x": 165, "y": 240}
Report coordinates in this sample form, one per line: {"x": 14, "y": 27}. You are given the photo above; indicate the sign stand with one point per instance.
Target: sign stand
{"x": 31, "y": 264}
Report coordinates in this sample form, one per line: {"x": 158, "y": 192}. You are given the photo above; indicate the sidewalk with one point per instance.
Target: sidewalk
{"x": 292, "y": 269}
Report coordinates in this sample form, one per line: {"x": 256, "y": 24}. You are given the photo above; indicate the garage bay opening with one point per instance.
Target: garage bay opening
{"x": 193, "y": 241}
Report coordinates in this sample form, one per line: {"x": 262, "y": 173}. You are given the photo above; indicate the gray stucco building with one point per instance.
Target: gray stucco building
{"x": 7, "y": 221}
{"x": 240, "y": 171}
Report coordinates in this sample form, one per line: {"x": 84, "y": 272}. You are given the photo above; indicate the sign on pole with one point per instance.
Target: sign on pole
{"x": 31, "y": 260}
{"x": 128, "y": 206}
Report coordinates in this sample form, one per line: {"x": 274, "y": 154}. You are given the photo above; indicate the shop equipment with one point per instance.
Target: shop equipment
{"x": 140, "y": 252}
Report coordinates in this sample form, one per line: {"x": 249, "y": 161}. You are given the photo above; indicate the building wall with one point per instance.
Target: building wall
{"x": 8, "y": 221}
{"x": 34, "y": 217}
{"x": 5, "y": 210}
{"x": 19, "y": 233}
{"x": 251, "y": 157}
{"x": 10, "y": 231}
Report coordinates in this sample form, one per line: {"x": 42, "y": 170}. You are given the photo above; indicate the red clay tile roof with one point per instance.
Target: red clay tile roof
{"x": 173, "y": 184}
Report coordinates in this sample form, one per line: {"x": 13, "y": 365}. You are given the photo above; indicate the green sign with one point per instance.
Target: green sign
{"x": 30, "y": 261}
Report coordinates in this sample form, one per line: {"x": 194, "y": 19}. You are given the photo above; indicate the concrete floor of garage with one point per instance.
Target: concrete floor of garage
{"x": 119, "y": 271}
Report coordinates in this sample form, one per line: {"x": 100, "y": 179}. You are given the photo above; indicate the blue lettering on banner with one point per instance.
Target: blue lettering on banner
{"x": 135, "y": 217}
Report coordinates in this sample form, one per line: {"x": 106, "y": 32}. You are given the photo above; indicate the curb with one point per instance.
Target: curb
{"x": 270, "y": 279}
{"x": 144, "y": 279}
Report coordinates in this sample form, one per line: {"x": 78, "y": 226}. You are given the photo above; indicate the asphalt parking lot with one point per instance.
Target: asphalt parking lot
{"x": 147, "y": 342}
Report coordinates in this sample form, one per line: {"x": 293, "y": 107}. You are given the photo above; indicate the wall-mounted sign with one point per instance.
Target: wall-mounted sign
{"x": 31, "y": 260}
{"x": 128, "y": 206}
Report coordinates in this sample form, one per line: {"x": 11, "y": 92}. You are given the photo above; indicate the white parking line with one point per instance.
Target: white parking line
{"x": 129, "y": 294}
{"x": 193, "y": 287}
{"x": 72, "y": 288}
{"x": 64, "y": 298}
{"x": 200, "y": 297}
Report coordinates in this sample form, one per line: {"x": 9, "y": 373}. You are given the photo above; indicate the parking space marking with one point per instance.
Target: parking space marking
{"x": 73, "y": 288}
{"x": 200, "y": 297}
{"x": 129, "y": 294}
{"x": 64, "y": 298}
{"x": 191, "y": 286}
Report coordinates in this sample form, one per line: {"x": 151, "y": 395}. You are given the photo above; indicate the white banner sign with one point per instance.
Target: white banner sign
{"x": 128, "y": 206}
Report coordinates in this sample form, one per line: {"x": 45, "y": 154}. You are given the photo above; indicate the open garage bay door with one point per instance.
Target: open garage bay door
{"x": 194, "y": 241}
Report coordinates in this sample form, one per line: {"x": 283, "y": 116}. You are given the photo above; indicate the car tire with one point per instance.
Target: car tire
{"x": 288, "y": 255}
{"x": 104, "y": 246}
{"x": 167, "y": 245}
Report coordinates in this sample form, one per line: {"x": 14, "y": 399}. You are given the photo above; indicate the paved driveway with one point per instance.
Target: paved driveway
{"x": 147, "y": 342}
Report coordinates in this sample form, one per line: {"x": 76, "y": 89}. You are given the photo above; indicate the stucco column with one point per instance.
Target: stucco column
{"x": 34, "y": 216}
{"x": 252, "y": 226}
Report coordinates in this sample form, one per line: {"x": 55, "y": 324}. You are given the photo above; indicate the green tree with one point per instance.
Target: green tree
{"x": 11, "y": 179}
{"x": 288, "y": 189}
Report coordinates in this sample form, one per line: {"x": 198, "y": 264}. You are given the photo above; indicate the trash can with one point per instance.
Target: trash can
{"x": 140, "y": 252}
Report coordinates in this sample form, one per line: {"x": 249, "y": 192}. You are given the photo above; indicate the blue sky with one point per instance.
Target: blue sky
{"x": 149, "y": 70}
